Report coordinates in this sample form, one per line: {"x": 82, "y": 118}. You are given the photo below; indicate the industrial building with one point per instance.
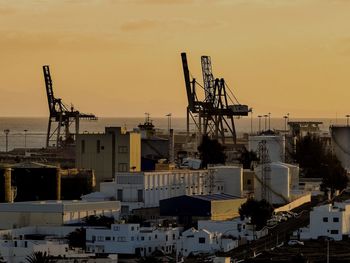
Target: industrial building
{"x": 53, "y": 213}
{"x": 106, "y": 153}
{"x": 146, "y": 189}
{"x": 280, "y": 180}
{"x": 276, "y": 146}
{"x": 341, "y": 144}
{"x": 211, "y": 207}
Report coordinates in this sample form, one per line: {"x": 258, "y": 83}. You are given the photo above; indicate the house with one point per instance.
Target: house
{"x": 331, "y": 220}
{"x": 131, "y": 239}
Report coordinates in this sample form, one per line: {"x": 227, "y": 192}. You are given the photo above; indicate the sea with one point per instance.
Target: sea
{"x": 35, "y": 134}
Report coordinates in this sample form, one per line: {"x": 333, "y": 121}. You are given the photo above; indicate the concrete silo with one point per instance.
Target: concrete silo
{"x": 341, "y": 144}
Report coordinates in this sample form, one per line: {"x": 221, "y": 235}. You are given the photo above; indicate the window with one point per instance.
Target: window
{"x": 149, "y": 249}
{"x": 121, "y": 239}
{"x": 155, "y": 236}
{"x": 166, "y": 237}
{"x": 149, "y": 238}
{"x": 334, "y": 232}
{"x": 140, "y": 195}
{"x": 132, "y": 238}
{"x": 142, "y": 238}
{"x": 325, "y": 219}
{"x": 122, "y": 167}
{"x": 100, "y": 238}
{"x": 108, "y": 238}
{"x": 122, "y": 149}
{"x": 25, "y": 243}
{"x": 82, "y": 146}
{"x": 120, "y": 194}
{"x": 173, "y": 236}
{"x": 98, "y": 146}
{"x": 335, "y": 219}
{"x": 201, "y": 240}
{"x": 249, "y": 182}
{"x": 116, "y": 228}
{"x": 132, "y": 228}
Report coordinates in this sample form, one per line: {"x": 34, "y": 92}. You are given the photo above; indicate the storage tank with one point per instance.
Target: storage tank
{"x": 275, "y": 144}
{"x": 294, "y": 175}
{"x": 341, "y": 144}
{"x": 278, "y": 186}
{"x": 231, "y": 177}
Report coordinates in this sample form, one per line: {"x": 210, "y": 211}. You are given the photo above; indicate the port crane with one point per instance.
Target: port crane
{"x": 61, "y": 116}
{"x": 214, "y": 114}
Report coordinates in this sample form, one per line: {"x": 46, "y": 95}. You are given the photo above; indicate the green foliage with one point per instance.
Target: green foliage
{"x": 211, "y": 152}
{"x": 99, "y": 221}
{"x": 39, "y": 257}
{"x": 258, "y": 211}
{"x": 150, "y": 259}
{"x": 317, "y": 162}
{"x": 247, "y": 158}
{"x": 77, "y": 238}
{"x": 134, "y": 219}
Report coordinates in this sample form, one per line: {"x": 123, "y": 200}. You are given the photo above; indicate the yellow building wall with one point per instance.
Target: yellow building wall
{"x": 135, "y": 151}
{"x": 226, "y": 209}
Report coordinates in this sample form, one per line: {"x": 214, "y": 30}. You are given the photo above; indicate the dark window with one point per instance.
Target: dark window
{"x": 142, "y": 238}
{"x": 334, "y": 232}
{"x": 122, "y": 149}
{"x": 108, "y": 238}
{"x": 325, "y": 219}
{"x": 25, "y": 243}
{"x": 82, "y": 146}
{"x": 98, "y": 146}
{"x": 120, "y": 195}
{"x": 166, "y": 237}
{"x": 149, "y": 249}
{"x": 132, "y": 228}
{"x": 123, "y": 167}
{"x": 140, "y": 195}
{"x": 173, "y": 236}
{"x": 201, "y": 240}
{"x": 155, "y": 236}
{"x": 335, "y": 219}
{"x": 249, "y": 182}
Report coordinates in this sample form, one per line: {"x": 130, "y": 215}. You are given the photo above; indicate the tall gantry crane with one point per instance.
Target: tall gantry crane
{"x": 214, "y": 114}
{"x": 61, "y": 116}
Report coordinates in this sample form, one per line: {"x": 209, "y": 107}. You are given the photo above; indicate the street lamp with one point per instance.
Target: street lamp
{"x": 259, "y": 116}
{"x": 265, "y": 116}
{"x": 169, "y": 121}
{"x": 251, "y": 120}
{"x": 269, "y": 121}
{"x": 7, "y": 131}
{"x": 25, "y": 141}
{"x": 285, "y": 122}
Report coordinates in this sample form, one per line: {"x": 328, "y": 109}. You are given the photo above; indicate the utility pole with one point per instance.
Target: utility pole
{"x": 251, "y": 120}
{"x": 269, "y": 121}
{"x": 265, "y": 116}
{"x": 169, "y": 121}
{"x": 7, "y": 131}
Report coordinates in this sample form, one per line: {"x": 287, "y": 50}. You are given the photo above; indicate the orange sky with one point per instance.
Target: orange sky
{"x": 122, "y": 57}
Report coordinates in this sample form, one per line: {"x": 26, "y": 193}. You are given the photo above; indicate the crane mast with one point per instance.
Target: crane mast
{"x": 212, "y": 115}
{"x": 61, "y": 117}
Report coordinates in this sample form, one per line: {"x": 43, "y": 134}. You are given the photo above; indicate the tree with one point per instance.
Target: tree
{"x": 248, "y": 158}
{"x": 101, "y": 220}
{"x": 316, "y": 161}
{"x": 39, "y": 257}
{"x": 258, "y": 211}
{"x": 211, "y": 152}
{"x": 77, "y": 238}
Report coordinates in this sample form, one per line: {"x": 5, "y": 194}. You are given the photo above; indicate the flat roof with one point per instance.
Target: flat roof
{"x": 215, "y": 197}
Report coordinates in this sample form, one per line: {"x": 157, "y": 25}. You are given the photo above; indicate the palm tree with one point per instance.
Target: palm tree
{"x": 39, "y": 257}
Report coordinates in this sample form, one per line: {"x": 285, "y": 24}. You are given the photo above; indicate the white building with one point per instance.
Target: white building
{"x": 236, "y": 228}
{"x": 146, "y": 189}
{"x": 281, "y": 179}
{"x": 131, "y": 239}
{"x": 202, "y": 241}
{"x": 328, "y": 220}
{"x": 17, "y": 244}
{"x": 276, "y": 146}
{"x": 107, "y": 153}
{"x": 53, "y": 213}
{"x": 341, "y": 144}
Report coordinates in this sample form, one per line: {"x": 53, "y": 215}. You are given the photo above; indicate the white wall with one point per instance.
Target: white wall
{"x": 275, "y": 144}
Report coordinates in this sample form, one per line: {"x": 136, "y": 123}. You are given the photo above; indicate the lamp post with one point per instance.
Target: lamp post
{"x": 259, "y": 116}
{"x": 169, "y": 121}
{"x": 7, "y": 131}
{"x": 265, "y": 116}
{"x": 25, "y": 141}
{"x": 285, "y": 123}
{"x": 269, "y": 121}
{"x": 251, "y": 120}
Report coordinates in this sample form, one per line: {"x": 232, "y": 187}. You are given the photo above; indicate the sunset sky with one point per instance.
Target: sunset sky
{"x": 122, "y": 57}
